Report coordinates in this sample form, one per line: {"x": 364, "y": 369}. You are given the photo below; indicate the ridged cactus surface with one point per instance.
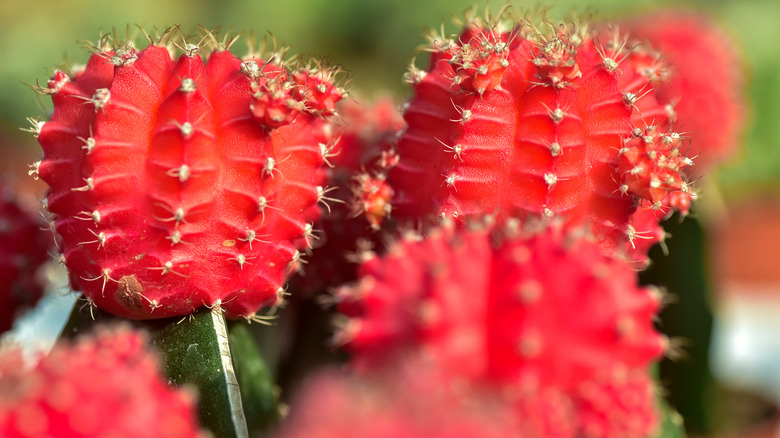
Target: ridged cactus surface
{"x": 179, "y": 183}
{"x": 524, "y": 122}
{"x": 558, "y": 327}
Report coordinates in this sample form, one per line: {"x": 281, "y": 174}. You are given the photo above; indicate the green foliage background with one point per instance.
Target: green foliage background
{"x": 374, "y": 40}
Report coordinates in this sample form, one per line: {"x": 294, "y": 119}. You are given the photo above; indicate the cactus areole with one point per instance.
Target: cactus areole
{"x": 176, "y": 184}
{"x": 525, "y": 122}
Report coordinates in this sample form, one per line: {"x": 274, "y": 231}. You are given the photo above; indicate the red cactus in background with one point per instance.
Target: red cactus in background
{"x": 410, "y": 402}
{"x": 557, "y": 325}
{"x": 357, "y": 183}
{"x": 23, "y": 251}
{"x": 517, "y": 122}
{"x": 365, "y": 153}
{"x": 178, "y": 184}
{"x": 108, "y": 384}
{"x": 705, "y": 80}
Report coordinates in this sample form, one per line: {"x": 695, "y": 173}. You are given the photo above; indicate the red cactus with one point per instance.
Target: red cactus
{"x": 364, "y": 155}
{"x": 178, "y": 184}
{"x": 22, "y": 253}
{"x": 705, "y": 80}
{"x": 522, "y": 124}
{"x": 106, "y": 385}
{"x": 557, "y": 325}
{"x": 411, "y": 402}
{"x": 357, "y": 183}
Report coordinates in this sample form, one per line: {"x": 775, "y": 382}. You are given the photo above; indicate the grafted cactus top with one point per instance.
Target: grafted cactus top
{"x": 559, "y": 327}
{"x": 179, "y": 184}
{"x": 513, "y": 121}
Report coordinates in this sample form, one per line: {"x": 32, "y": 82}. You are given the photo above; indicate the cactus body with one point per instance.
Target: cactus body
{"x": 519, "y": 124}
{"x": 562, "y": 329}
{"x": 409, "y": 402}
{"x": 108, "y": 384}
{"x": 178, "y": 184}
{"x": 359, "y": 197}
{"x": 23, "y": 251}
{"x": 366, "y": 153}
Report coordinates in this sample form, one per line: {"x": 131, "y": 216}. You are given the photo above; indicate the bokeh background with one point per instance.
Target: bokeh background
{"x": 725, "y": 261}
{"x": 374, "y": 40}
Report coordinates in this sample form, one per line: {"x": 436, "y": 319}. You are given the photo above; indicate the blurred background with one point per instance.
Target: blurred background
{"x": 374, "y": 40}
{"x": 724, "y": 268}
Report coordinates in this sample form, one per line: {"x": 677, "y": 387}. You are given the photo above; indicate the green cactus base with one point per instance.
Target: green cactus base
{"x": 237, "y": 396}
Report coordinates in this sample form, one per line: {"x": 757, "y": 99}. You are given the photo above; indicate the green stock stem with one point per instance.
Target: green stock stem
{"x": 224, "y": 366}
{"x": 260, "y": 394}
{"x": 684, "y": 274}
{"x": 671, "y": 423}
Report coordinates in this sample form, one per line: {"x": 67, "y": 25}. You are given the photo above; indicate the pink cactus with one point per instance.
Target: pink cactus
{"x": 23, "y": 251}
{"x": 558, "y": 326}
{"x": 512, "y": 121}
{"x": 105, "y": 385}
{"x": 178, "y": 184}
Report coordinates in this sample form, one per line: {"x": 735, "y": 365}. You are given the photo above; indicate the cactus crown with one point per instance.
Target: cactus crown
{"x": 167, "y": 177}
{"x": 523, "y": 118}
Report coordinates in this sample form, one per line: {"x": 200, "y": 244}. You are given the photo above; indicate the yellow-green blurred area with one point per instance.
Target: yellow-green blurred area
{"x": 373, "y": 40}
